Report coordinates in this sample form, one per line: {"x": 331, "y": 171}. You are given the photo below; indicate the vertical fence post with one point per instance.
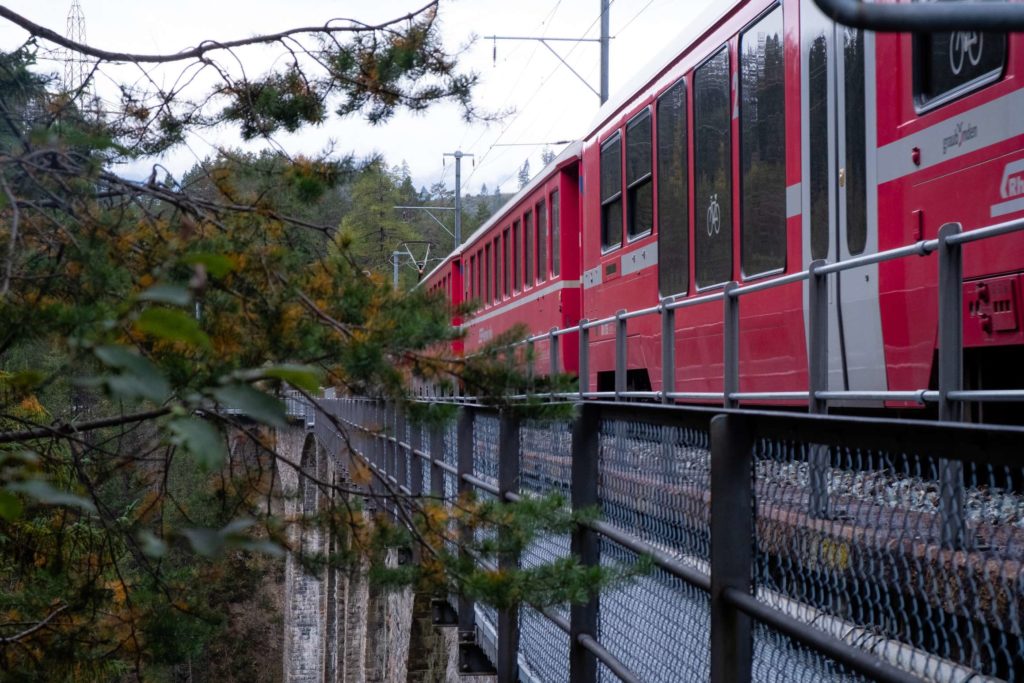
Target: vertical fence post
{"x": 952, "y": 496}
{"x": 585, "y": 543}
{"x": 401, "y": 451}
{"x": 620, "y": 354}
{"x": 817, "y": 381}
{"x": 553, "y": 353}
{"x": 584, "y": 358}
{"x": 436, "y": 456}
{"x": 416, "y": 477}
{"x": 668, "y": 352}
{"x": 415, "y": 461}
{"x": 464, "y": 447}
{"x": 730, "y": 345}
{"x": 508, "y": 482}
{"x": 732, "y": 537}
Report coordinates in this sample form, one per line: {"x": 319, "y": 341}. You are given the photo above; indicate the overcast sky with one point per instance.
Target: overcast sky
{"x": 549, "y": 102}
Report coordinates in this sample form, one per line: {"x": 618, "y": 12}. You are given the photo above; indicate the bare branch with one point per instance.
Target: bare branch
{"x": 205, "y": 47}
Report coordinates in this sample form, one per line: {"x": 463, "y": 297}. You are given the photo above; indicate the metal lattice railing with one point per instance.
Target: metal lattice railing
{"x": 785, "y": 547}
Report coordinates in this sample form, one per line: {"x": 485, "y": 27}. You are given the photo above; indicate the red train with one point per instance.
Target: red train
{"x": 769, "y": 137}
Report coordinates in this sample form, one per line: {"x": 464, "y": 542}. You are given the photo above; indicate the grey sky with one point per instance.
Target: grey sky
{"x": 549, "y": 102}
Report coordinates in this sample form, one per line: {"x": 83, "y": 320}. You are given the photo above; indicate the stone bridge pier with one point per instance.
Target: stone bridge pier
{"x": 338, "y": 628}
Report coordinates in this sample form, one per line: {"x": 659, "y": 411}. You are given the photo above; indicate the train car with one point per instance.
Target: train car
{"x": 522, "y": 266}
{"x": 768, "y": 137}
{"x": 446, "y": 280}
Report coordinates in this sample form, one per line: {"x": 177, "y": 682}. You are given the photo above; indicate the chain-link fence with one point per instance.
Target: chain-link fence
{"x": 784, "y": 547}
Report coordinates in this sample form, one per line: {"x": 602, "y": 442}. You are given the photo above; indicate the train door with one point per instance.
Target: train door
{"x": 838, "y": 188}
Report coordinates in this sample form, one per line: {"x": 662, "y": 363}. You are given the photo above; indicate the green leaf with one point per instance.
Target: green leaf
{"x": 10, "y": 506}
{"x": 218, "y": 265}
{"x": 139, "y": 376}
{"x": 45, "y": 493}
{"x": 172, "y": 325}
{"x": 201, "y": 439}
{"x": 301, "y": 376}
{"x": 256, "y": 404}
{"x": 25, "y": 381}
{"x": 175, "y": 295}
{"x": 152, "y": 545}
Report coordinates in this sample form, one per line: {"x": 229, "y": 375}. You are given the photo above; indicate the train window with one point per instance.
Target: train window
{"x": 517, "y": 256}
{"x": 639, "y": 189}
{"x": 712, "y": 166}
{"x": 479, "y": 275}
{"x": 506, "y": 249}
{"x": 531, "y": 242}
{"x": 556, "y": 239}
{"x": 673, "y": 194}
{"x": 762, "y": 147}
{"x": 542, "y": 241}
{"x": 611, "y": 192}
{"x": 856, "y": 141}
{"x": 948, "y": 65}
{"x": 469, "y": 280}
{"x": 817, "y": 124}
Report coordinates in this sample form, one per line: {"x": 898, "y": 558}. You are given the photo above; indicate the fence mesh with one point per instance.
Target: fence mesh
{"x": 545, "y": 463}
{"x": 653, "y": 483}
{"x": 779, "y": 659}
{"x": 914, "y": 558}
{"x": 486, "y": 441}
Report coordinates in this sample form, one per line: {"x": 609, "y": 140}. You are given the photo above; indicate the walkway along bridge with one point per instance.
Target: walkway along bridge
{"x": 786, "y": 546}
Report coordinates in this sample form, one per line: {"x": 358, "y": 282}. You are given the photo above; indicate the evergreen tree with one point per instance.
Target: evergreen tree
{"x": 524, "y": 174}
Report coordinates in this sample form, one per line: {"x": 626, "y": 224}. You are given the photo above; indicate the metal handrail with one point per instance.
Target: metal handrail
{"x": 925, "y": 17}
{"x": 948, "y": 241}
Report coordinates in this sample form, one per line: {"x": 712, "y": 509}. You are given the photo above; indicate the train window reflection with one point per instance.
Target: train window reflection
{"x": 556, "y": 243}
{"x": 531, "y": 239}
{"x": 673, "y": 194}
{"x": 611, "y": 192}
{"x": 762, "y": 147}
{"x": 856, "y": 141}
{"x": 817, "y": 123}
{"x": 639, "y": 189}
{"x": 542, "y": 241}
{"x": 713, "y": 171}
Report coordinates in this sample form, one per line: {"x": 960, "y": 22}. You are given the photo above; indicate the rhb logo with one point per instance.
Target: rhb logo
{"x": 1013, "y": 180}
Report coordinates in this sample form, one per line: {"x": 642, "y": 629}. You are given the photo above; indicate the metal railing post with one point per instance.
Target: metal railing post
{"x": 620, "y": 354}
{"x": 730, "y": 346}
{"x": 464, "y": 447}
{"x": 553, "y": 352}
{"x": 817, "y": 381}
{"x": 402, "y": 469}
{"x": 585, "y": 543}
{"x": 732, "y": 538}
{"x": 584, "y": 358}
{"x": 416, "y": 462}
{"x": 508, "y": 482}
{"x": 952, "y": 496}
{"x": 668, "y": 353}
{"x": 436, "y": 455}
{"x": 416, "y": 477}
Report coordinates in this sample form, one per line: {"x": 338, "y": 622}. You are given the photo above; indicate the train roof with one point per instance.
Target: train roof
{"x": 571, "y": 151}
{"x": 645, "y": 77}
